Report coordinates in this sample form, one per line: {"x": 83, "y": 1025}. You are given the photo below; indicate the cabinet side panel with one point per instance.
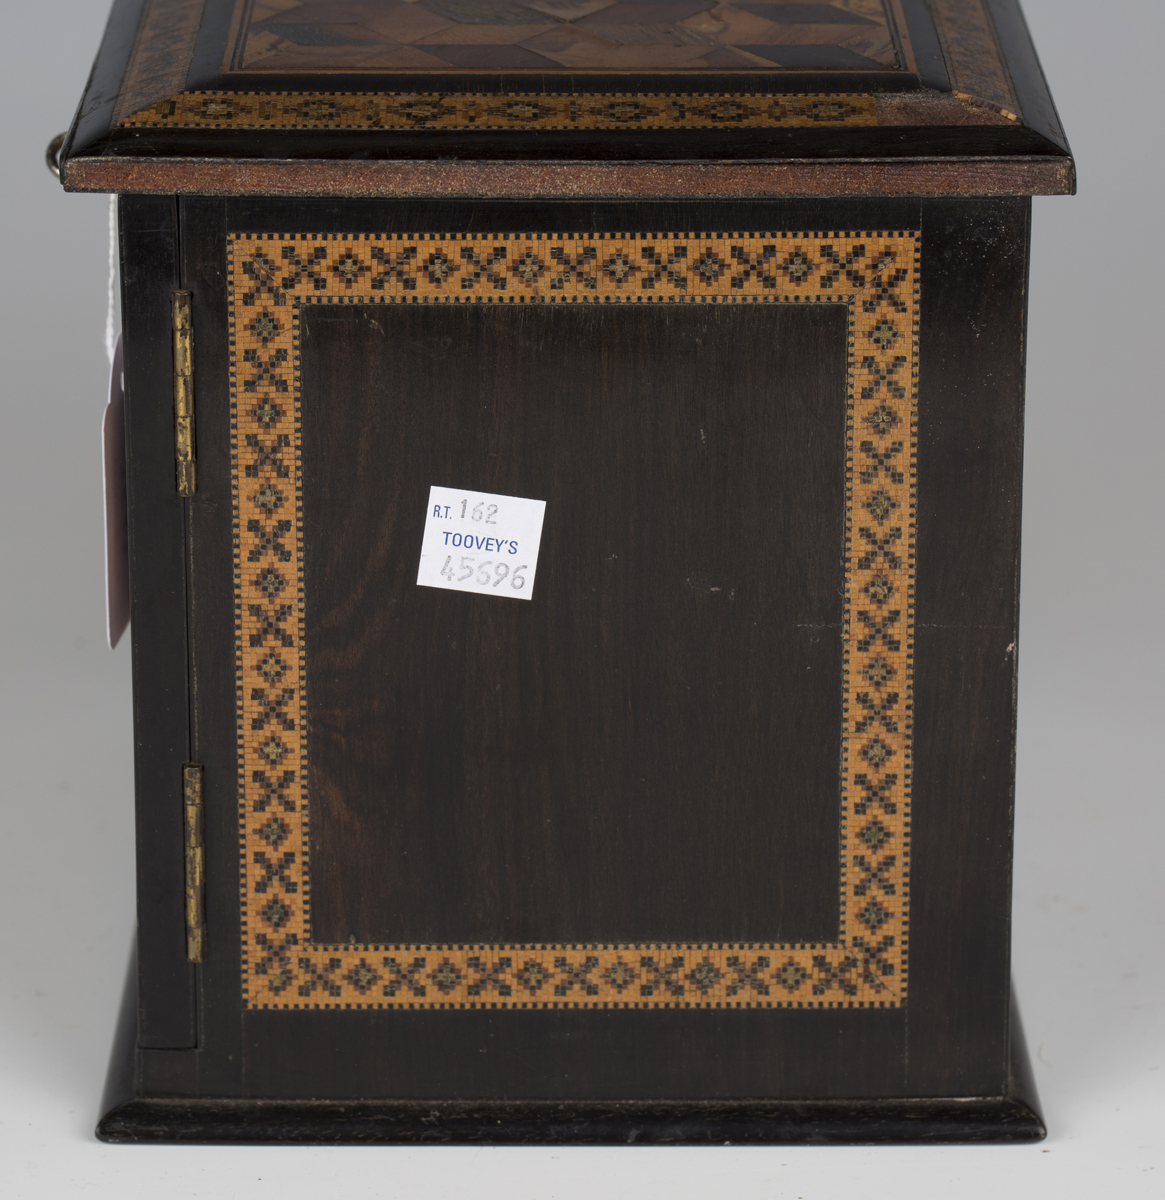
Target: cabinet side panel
{"x": 970, "y": 395}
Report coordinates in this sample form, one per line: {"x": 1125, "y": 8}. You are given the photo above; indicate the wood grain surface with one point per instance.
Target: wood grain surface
{"x": 640, "y": 754}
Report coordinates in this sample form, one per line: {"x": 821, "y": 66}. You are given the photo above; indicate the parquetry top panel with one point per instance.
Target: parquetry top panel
{"x": 305, "y": 36}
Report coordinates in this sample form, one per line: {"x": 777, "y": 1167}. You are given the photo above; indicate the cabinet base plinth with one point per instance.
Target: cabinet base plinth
{"x": 131, "y": 1117}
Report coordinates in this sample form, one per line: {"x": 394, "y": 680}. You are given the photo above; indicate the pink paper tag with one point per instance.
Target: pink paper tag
{"x": 116, "y": 531}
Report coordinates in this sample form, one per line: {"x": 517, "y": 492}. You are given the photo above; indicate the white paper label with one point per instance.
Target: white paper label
{"x": 479, "y": 542}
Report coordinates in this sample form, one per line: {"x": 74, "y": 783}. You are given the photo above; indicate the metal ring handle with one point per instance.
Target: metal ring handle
{"x": 50, "y": 155}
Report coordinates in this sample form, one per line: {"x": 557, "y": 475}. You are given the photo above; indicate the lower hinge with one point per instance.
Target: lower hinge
{"x": 192, "y": 820}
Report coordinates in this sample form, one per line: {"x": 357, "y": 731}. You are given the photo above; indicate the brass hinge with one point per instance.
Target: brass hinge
{"x": 192, "y": 813}
{"x": 183, "y": 327}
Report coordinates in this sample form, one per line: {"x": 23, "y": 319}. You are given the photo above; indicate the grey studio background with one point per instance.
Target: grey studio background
{"x": 1090, "y": 823}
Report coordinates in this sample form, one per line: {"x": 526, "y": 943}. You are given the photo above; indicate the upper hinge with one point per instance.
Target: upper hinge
{"x": 192, "y": 821}
{"x": 183, "y": 326}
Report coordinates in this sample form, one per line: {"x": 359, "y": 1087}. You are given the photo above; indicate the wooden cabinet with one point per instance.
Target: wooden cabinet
{"x": 706, "y": 836}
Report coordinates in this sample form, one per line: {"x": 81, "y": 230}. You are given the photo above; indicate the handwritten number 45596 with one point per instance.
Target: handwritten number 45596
{"x": 491, "y": 511}
{"x": 466, "y": 570}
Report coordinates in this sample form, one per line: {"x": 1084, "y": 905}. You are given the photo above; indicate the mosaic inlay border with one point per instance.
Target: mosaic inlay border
{"x": 876, "y": 277}
{"x": 505, "y": 110}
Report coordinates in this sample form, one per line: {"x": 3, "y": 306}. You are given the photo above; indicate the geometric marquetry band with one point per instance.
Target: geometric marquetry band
{"x": 875, "y": 276}
{"x": 505, "y": 110}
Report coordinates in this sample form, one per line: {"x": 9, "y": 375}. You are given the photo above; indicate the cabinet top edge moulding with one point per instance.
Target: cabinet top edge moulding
{"x": 558, "y": 100}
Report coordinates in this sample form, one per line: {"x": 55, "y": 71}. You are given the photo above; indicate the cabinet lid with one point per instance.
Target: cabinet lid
{"x": 524, "y": 98}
